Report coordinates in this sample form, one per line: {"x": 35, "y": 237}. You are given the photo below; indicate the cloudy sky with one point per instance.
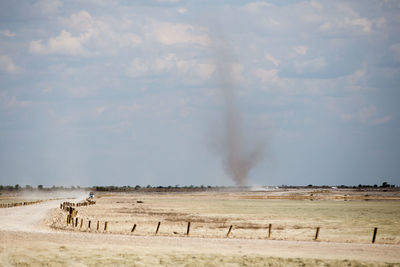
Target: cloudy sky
{"x": 127, "y": 92}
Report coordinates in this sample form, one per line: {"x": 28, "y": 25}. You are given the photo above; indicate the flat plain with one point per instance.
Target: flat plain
{"x": 39, "y": 234}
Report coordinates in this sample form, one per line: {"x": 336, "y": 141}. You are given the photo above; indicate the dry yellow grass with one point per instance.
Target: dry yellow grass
{"x": 211, "y": 215}
{"x": 25, "y": 240}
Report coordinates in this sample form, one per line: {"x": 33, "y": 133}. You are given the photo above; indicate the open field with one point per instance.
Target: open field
{"x": 39, "y": 234}
{"x": 211, "y": 215}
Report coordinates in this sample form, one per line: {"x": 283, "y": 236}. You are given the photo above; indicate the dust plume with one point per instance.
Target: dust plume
{"x": 239, "y": 152}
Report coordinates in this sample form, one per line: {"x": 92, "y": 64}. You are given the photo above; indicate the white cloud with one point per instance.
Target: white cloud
{"x": 8, "y": 102}
{"x": 7, "y": 33}
{"x": 182, "y": 10}
{"x": 188, "y": 70}
{"x": 47, "y": 7}
{"x": 382, "y": 120}
{"x": 273, "y": 60}
{"x": 364, "y": 114}
{"x": 100, "y": 110}
{"x": 137, "y": 68}
{"x": 269, "y": 76}
{"x": 311, "y": 65}
{"x": 64, "y": 43}
{"x": 80, "y": 92}
{"x": 7, "y": 65}
{"x": 129, "y": 40}
{"x": 316, "y": 4}
{"x": 81, "y": 21}
{"x": 363, "y": 23}
{"x": 177, "y": 33}
{"x": 256, "y": 6}
{"x": 92, "y": 36}
{"x": 271, "y": 22}
{"x": 301, "y": 49}
{"x": 343, "y": 18}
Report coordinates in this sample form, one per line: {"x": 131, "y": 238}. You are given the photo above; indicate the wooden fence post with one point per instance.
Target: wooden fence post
{"x": 229, "y": 231}
{"x": 89, "y": 224}
{"x": 105, "y": 226}
{"x": 133, "y": 228}
{"x": 98, "y": 225}
{"x": 188, "y": 229}
{"x": 76, "y": 222}
{"x": 158, "y": 227}
{"x": 269, "y": 230}
{"x": 374, "y": 236}
{"x": 316, "y": 234}
{"x": 81, "y": 223}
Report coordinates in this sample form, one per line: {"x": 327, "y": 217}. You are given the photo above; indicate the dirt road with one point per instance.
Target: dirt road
{"x": 24, "y": 236}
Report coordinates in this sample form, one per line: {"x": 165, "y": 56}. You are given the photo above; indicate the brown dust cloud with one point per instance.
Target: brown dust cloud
{"x": 238, "y": 151}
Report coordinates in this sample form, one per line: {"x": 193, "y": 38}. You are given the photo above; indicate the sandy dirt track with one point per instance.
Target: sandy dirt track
{"x": 27, "y": 218}
{"x": 24, "y": 234}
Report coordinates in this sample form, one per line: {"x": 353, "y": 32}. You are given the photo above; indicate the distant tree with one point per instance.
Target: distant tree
{"x": 137, "y": 187}
{"x": 17, "y": 187}
{"x": 310, "y": 185}
{"x": 385, "y": 184}
{"x": 375, "y": 185}
{"x": 40, "y": 187}
{"x": 148, "y": 186}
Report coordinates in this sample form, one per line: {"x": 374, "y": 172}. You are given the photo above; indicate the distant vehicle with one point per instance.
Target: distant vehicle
{"x": 91, "y": 195}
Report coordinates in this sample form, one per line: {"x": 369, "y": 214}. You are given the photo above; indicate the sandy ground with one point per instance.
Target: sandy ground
{"x": 25, "y": 239}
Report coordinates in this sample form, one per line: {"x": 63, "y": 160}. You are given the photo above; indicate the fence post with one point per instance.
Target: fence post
{"x": 269, "y": 230}
{"x": 81, "y": 223}
{"x": 374, "y": 236}
{"x": 158, "y": 227}
{"x": 229, "y": 231}
{"x": 89, "y": 224}
{"x": 105, "y": 226}
{"x": 188, "y": 229}
{"x": 316, "y": 234}
{"x": 133, "y": 228}
{"x": 76, "y": 222}
{"x": 98, "y": 225}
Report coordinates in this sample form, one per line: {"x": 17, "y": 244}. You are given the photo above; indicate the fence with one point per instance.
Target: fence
{"x": 10, "y": 205}
{"x": 103, "y": 227}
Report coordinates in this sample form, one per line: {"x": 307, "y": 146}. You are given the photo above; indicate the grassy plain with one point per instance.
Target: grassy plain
{"x": 38, "y": 235}
{"x": 211, "y": 214}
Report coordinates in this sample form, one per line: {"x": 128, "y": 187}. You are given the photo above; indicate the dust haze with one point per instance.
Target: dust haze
{"x": 238, "y": 151}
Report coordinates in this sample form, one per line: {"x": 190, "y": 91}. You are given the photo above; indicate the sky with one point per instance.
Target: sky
{"x": 128, "y": 92}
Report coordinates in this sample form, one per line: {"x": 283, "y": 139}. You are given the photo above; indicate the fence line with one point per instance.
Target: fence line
{"x": 70, "y": 220}
{"x": 17, "y": 204}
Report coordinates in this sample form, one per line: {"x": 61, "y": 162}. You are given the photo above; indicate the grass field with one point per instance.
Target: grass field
{"x": 211, "y": 215}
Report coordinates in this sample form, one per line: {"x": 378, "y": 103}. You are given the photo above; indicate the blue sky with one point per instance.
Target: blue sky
{"x": 127, "y": 92}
